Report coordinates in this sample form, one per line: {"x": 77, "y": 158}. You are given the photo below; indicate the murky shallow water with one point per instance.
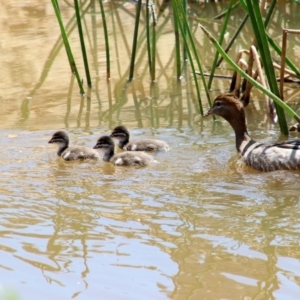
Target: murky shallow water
{"x": 196, "y": 225}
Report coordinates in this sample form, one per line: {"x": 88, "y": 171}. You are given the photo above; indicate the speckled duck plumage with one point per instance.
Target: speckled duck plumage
{"x": 122, "y": 134}
{"x": 263, "y": 157}
{"x": 133, "y": 158}
{"x": 72, "y": 153}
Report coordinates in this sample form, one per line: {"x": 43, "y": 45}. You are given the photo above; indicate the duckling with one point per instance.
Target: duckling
{"x": 263, "y": 157}
{"x": 121, "y": 133}
{"x": 72, "y": 153}
{"x": 106, "y": 145}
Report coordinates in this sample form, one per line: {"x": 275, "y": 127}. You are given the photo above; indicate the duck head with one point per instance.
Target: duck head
{"x": 231, "y": 109}
{"x": 228, "y": 107}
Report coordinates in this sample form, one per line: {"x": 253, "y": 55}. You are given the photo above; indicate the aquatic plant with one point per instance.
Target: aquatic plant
{"x": 263, "y": 42}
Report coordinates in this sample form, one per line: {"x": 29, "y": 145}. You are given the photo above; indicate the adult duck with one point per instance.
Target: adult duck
{"x": 122, "y": 134}
{"x": 105, "y": 144}
{"x": 263, "y": 157}
{"x": 71, "y": 153}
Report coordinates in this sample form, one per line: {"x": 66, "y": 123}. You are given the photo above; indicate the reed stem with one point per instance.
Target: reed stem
{"x": 82, "y": 44}
{"x": 106, "y": 40}
{"x": 148, "y": 36}
{"x": 194, "y": 50}
{"x": 222, "y": 34}
{"x": 135, "y": 36}
{"x": 154, "y": 22}
{"x": 67, "y": 46}
{"x": 177, "y": 40}
{"x": 263, "y": 46}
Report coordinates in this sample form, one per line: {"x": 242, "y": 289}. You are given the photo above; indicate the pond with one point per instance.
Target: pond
{"x": 196, "y": 225}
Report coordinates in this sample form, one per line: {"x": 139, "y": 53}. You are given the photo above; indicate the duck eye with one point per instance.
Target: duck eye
{"x": 218, "y": 103}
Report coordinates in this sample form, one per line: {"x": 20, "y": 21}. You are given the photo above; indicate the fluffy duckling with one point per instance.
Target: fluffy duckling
{"x": 121, "y": 133}
{"x": 279, "y": 156}
{"x": 71, "y": 153}
{"x": 106, "y": 145}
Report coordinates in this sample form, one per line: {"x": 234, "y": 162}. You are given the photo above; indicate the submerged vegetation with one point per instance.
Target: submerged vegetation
{"x": 187, "y": 52}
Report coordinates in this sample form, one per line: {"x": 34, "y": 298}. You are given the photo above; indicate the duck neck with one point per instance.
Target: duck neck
{"x": 62, "y": 148}
{"x": 241, "y": 133}
{"x": 109, "y": 153}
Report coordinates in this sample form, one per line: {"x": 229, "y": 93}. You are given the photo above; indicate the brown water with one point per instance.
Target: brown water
{"x": 196, "y": 225}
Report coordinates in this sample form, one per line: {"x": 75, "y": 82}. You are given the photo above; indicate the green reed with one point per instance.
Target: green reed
{"x": 148, "y": 35}
{"x": 82, "y": 44}
{"x": 234, "y": 36}
{"x": 264, "y": 50}
{"x": 191, "y": 49}
{"x": 177, "y": 41}
{"x": 151, "y": 22}
{"x": 67, "y": 45}
{"x": 222, "y": 34}
{"x": 106, "y": 39}
{"x": 135, "y": 38}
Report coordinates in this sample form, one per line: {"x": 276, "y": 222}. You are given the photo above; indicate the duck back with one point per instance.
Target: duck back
{"x": 279, "y": 156}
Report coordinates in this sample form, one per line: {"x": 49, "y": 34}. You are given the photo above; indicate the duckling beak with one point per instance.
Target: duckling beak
{"x": 50, "y": 142}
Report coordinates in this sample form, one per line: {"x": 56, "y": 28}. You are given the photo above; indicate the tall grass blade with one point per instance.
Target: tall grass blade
{"x": 82, "y": 44}
{"x": 263, "y": 46}
{"x": 177, "y": 40}
{"x": 184, "y": 6}
{"x": 222, "y": 34}
{"x": 153, "y": 38}
{"x": 223, "y": 13}
{"x": 135, "y": 36}
{"x": 239, "y": 29}
{"x": 148, "y": 35}
{"x": 67, "y": 46}
{"x": 270, "y": 13}
{"x": 177, "y": 11}
{"x": 106, "y": 40}
{"x": 195, "y": 53}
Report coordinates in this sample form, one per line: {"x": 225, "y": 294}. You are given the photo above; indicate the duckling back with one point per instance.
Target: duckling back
{"x": 132, "y": 158}
{"x": 147, "y": 145}
{"x": 80, "y": 153}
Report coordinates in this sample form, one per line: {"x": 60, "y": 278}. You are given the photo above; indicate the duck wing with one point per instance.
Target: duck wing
{"x": 292, "y": 145}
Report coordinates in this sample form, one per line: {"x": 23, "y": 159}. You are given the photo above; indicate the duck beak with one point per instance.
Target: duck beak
{"x": 50, "y": 142}
{"x": 209, "y": 112}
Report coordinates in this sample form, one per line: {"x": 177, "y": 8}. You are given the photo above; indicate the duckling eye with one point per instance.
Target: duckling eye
{"x": 218, "y": 103}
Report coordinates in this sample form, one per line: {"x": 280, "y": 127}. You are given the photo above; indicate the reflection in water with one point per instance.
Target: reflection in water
{"x": 197, "y": 225}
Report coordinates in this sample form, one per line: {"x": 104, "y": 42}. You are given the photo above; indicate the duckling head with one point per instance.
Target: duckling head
{"x": 120, "y": 132}
{"x": 105, "y": 144}
{"x": 60, "y": 138}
